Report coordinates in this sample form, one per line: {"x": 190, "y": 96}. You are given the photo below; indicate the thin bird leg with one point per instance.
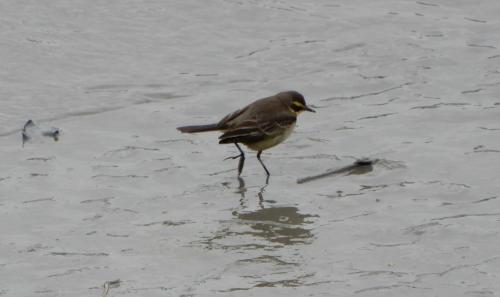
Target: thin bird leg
{"x": 241, "y": 156}
{"x": 262, "y": 163}
{"x": 242, "y": 159}
{"x": 237, "y": 156}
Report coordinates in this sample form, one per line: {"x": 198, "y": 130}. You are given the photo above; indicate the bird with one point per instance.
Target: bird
{"x": 260, "y": 125}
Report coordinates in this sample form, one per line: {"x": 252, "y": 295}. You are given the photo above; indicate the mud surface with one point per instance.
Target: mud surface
{"x": 123, "y": 196}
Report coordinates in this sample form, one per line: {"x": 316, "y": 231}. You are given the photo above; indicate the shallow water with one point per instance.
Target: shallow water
{"x": 124, "y": 196}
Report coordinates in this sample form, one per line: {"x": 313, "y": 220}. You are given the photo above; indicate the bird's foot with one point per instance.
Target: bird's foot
{"x": 235, "y": 157}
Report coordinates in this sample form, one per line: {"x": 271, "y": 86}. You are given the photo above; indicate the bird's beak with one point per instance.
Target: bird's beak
{"x": 309, "y": 109}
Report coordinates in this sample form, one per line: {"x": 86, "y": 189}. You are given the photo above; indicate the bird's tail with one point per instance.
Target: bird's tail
{"x": 198, "y": 128}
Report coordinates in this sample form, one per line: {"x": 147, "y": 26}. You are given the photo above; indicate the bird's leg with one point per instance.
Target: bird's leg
{"x": 242, "y": 159}
{"x": 241, "y": 156}
{"x": 262, "y": 163}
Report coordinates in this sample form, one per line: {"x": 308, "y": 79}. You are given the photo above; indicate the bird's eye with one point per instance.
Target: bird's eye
{"x": 297, "y": 107}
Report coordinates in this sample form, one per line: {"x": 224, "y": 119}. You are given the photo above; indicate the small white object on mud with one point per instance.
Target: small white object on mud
{"x": 34, "y": 133}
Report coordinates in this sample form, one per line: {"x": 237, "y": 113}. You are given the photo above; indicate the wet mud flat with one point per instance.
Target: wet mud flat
{"x": 124, "y": 205}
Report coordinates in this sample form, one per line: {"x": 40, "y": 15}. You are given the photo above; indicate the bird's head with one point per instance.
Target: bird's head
{"x": 295, "y": 101}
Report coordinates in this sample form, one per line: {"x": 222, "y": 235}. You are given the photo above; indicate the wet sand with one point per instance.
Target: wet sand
{"x": 124, "y": 196}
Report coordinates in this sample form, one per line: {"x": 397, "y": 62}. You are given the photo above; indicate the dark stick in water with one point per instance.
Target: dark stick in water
{"x": 364, "y": 164}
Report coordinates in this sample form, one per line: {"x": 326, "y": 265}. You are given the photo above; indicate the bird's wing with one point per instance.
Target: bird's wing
{"x": 257, "y": 130}
{"x": 225, "y": 122}
{"x": 277, "y": 125}
{"x": 248, "y": 114}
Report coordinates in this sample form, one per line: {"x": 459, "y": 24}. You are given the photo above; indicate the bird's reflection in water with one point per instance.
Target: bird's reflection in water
{"x": 266, "y": 227}
{"x": 277, "y": 224}
{"x": 242, "y": 189}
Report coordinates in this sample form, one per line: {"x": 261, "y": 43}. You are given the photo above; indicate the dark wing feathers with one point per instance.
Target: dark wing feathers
{"x": 225, "y": 120}
{"x": 278, "y": 125}
{"x": 243, "y": 136}
{"x": 254, "y": 131}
